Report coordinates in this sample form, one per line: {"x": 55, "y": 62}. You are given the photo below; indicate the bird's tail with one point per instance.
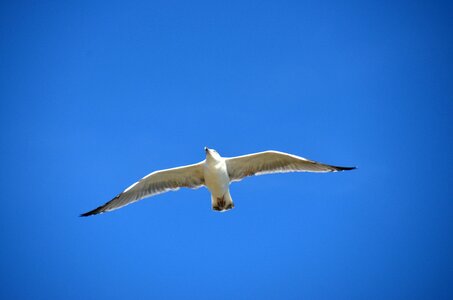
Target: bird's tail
{"x": 223, "y": 203}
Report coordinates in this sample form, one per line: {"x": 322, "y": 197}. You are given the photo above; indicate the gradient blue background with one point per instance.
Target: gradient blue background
{"x": 96, "y": 94}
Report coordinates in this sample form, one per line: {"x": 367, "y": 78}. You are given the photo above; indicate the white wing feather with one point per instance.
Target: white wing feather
{"x": 190, "y": 176}
{"x": 274, "y": 162}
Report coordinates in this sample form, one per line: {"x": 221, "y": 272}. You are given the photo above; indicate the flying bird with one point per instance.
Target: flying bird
{"x": 216, "y": 173}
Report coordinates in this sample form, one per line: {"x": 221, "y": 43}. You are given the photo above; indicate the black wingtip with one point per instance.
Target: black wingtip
{"x": 101, "y": 209}
{"x": 344, "y": 168}
{"x": 92, "y": 212}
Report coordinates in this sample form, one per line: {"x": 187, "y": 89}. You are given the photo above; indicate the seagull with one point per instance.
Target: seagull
{"x": 216, "y": 173}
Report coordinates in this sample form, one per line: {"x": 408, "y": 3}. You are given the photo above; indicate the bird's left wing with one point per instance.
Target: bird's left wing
{"x": 274, "y": 162}
{"x": 190, "y": 176}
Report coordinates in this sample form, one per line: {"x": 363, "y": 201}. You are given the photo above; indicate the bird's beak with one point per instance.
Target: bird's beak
{"x": 206, "y": 149}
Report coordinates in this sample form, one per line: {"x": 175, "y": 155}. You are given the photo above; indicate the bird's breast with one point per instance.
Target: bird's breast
{"x": 216, "y": 178}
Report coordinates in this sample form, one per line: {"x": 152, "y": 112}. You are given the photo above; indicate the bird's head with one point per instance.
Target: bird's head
{"x": 211, "y": 154}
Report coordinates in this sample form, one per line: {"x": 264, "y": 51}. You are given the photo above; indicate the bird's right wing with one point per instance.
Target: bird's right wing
{"x": 274, "y": 162}
{"x": 190, "y": 176}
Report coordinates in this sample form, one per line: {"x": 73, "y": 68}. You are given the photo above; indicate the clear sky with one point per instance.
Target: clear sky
{"x": 96, "y": 94}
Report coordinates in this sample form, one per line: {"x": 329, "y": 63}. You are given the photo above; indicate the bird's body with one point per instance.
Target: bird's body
{"x": 216, "y": 173}
{"x": 218, "y": 182}
{"x": 216, "y": 176}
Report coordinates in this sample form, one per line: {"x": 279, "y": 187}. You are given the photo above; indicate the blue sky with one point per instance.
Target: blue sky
{"x": 96, "y": 94}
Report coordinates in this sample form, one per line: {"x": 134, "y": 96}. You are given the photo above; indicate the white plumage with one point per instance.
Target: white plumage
{"x": 216, "y": 173}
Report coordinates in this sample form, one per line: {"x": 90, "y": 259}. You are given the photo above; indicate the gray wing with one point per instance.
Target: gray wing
{"x": 155, "y": 183}
{"x": 274, "y": 162}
